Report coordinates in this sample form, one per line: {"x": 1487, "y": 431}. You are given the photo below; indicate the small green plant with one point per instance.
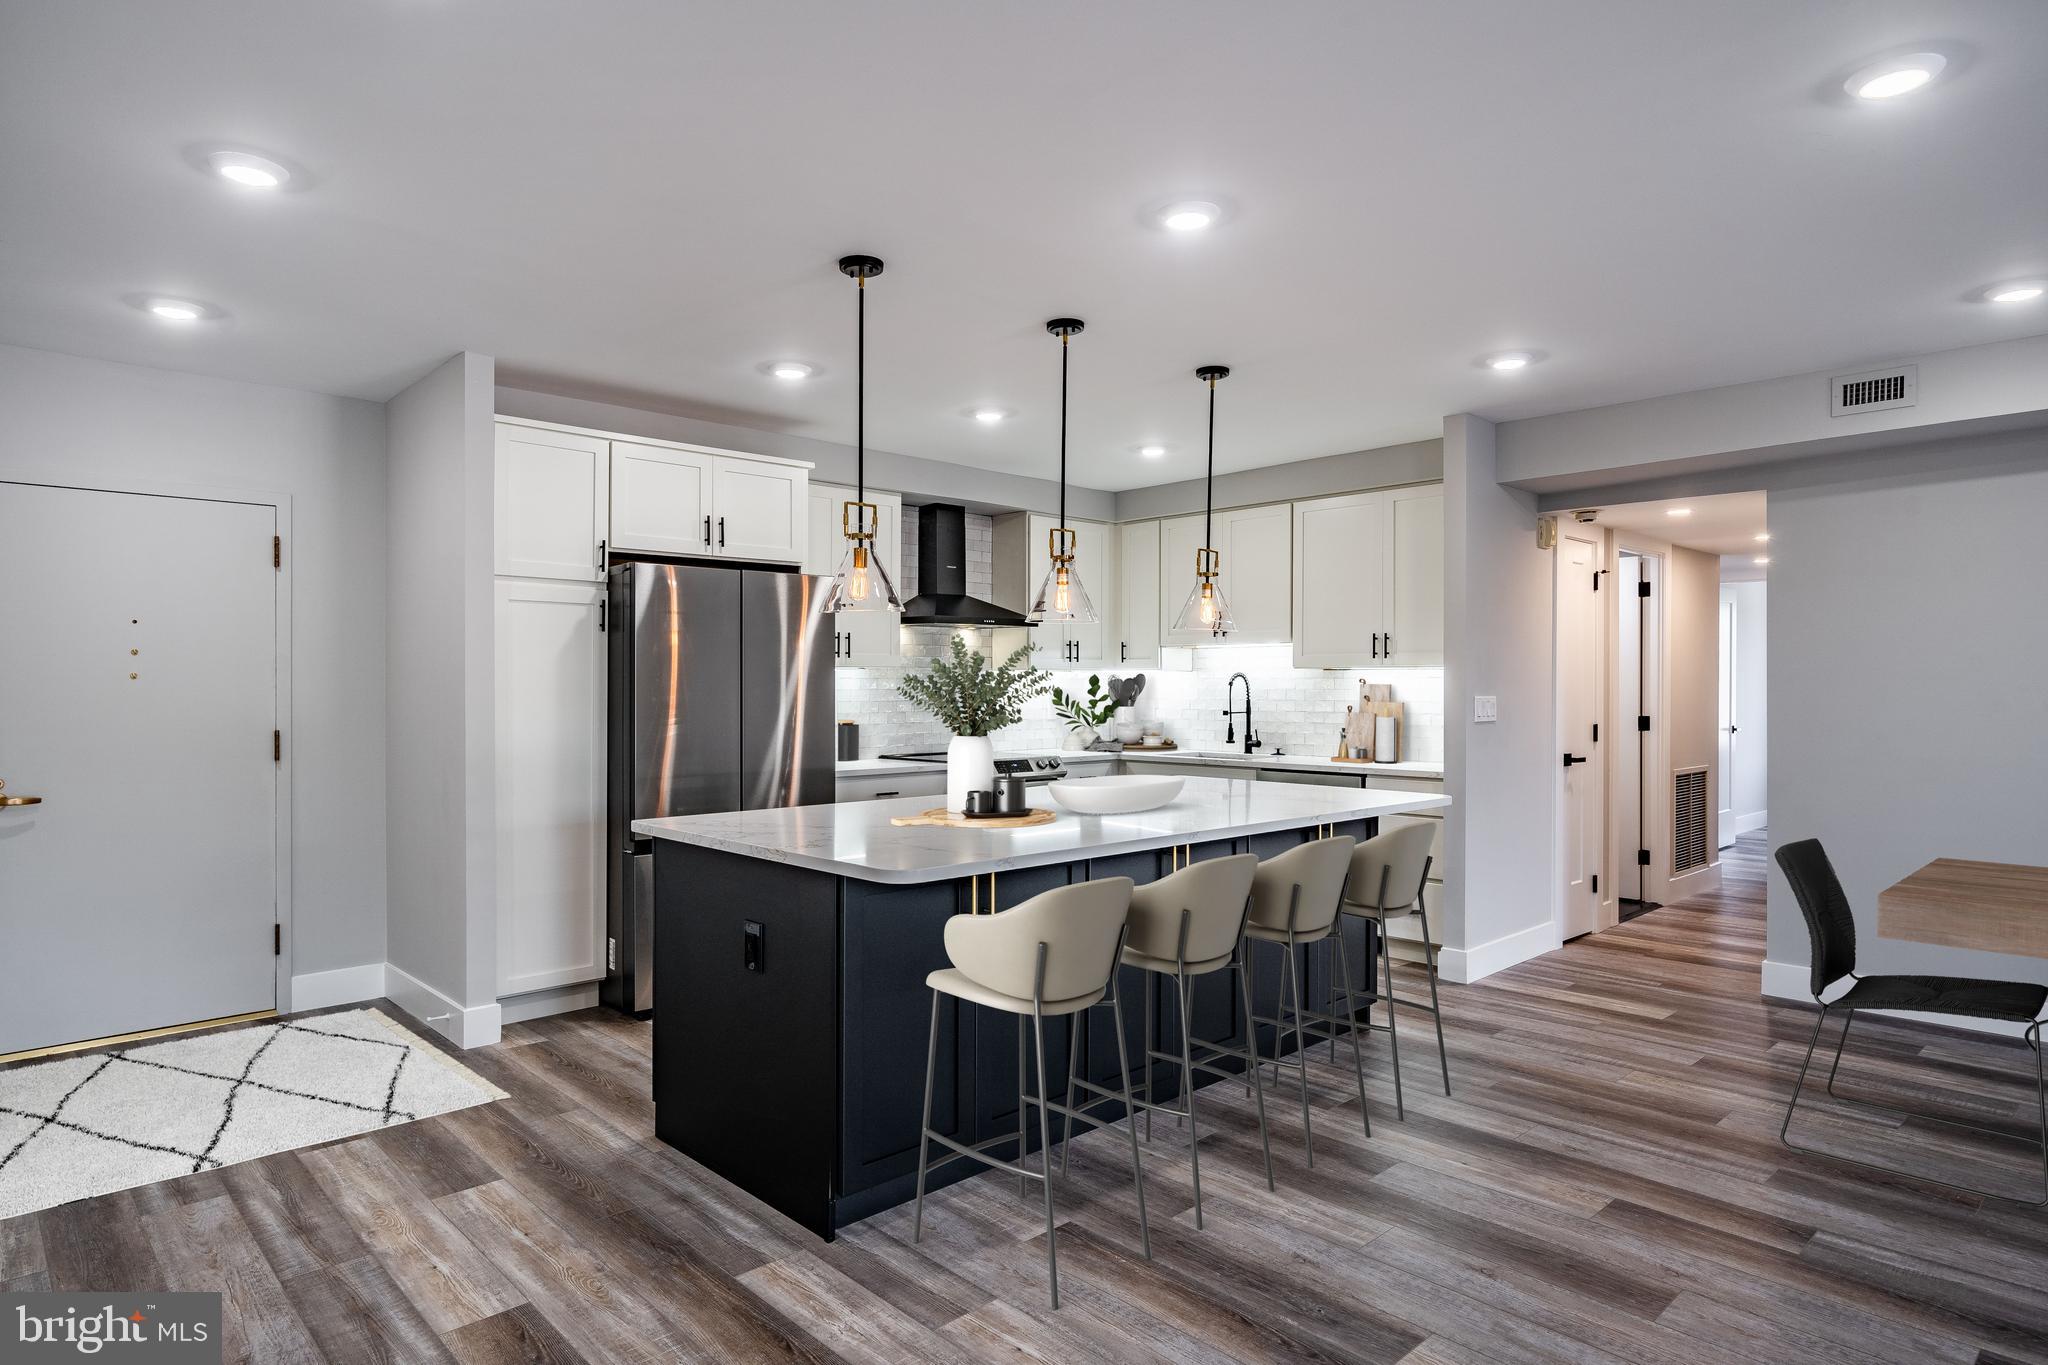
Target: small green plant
{"x": 1090, "y": 712}
{"x": 971, "y": 697}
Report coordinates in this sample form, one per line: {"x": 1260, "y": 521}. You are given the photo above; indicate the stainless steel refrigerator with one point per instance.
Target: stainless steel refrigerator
{"x": 721, "y": 699}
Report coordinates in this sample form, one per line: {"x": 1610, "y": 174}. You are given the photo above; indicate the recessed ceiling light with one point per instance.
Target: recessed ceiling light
{"x": 1152, "y": 452}
{"x": 2016, "y": 291}
{"x": 1762, "y": 537}
{"x": 164, "y": 308}
{"x": 791, "y": 369}
{"x": 1761, "y": 559}
{"x": 1509, "y": 360}
{"x": 249, "y": 170}
{"x": 1899, "y": 76}
{"x": 988, "y": 417}
{"x": 1190, "y": 216}
{"x": 1678, "y": 511}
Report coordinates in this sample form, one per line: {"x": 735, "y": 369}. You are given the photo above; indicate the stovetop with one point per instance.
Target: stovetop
{"x": 1044, "y": 769}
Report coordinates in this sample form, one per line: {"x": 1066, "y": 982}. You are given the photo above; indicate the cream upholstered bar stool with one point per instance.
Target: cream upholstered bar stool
{"x": 1054, "y": 955}
{"x": 1389, "y": 873}
{"x": 1188, "y": 924}
{"x": 1294, "y": 903}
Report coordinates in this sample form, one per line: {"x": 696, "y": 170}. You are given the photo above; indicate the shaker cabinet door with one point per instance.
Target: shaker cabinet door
{"x": 549, "y": 495}
{"x": 661, "y": 500}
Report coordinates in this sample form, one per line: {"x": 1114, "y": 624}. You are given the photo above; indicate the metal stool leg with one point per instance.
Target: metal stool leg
{"x": 1848, "y": 1022}
{"x": 924, "y": 1134}
{"x": 1022, "y": 1112}
{"x": 1443, "y": 1055}
{"x": 1357, "y": 1058}
{"x": 1393, "y": 1033}
{"x": 1075, "y": 1023}
{"x": 1052, "y": 1263}
{"x": 1308, "y": 1137}
{"x": 1151, "y": 1009}
{"x": 1251, "y": 1047}
{"x": 1123, "y": 1072}
{"x": 2040, "y": 1098}
{"x": 1187, "y": 1080}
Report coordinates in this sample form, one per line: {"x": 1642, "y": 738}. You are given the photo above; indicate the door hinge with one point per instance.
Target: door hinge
{"x": 277, "y": 746}
{"x": 1642, "y": 857}
{"x": 1643, "y": 588}
{"x": 1596, "y": 578}
{"x": 611, "y": 954}
{"x": 277, "y": 940}
{"x": 277, "y": 552}
{"x": 1596, "y": 883}
{"x": 1596, "y": 732}
{"x": 1643, "y": 724}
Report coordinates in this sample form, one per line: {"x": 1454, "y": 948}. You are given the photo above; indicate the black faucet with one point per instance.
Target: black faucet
{"x": 1251, "y": 736}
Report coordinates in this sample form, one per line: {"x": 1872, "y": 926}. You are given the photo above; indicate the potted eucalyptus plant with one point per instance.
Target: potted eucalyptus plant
{"x": 1087, "y": 713}
{"x": 971, "y": 697}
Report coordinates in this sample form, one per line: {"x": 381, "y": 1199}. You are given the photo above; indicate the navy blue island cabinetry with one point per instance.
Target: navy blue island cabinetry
{"x": 790, "y": 954}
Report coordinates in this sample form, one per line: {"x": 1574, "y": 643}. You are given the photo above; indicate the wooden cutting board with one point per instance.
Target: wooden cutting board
{"x": 954, "y": 820}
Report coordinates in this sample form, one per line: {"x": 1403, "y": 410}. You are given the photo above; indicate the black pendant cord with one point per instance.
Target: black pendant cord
{"x": 860, "y": 395}
{"x": 1063, "y": 431}
{"x": 1209, "y": 480}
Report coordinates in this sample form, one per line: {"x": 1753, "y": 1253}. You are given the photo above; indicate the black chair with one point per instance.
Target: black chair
{"x": 1831, "y": 927}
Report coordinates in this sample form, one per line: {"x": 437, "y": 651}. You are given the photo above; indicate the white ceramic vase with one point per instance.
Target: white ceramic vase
{"x": 970, "y": 766}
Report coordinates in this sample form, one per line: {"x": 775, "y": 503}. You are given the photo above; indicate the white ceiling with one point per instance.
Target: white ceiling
{"x": 646, "y": 199}
{"x": 1724, "y": 524}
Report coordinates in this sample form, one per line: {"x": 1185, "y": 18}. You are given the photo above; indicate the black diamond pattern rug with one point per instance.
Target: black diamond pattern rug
{"x": 73, "y": 1127}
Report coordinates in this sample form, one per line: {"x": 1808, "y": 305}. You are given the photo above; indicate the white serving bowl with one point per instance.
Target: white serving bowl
{"x": 1115, "y": 795}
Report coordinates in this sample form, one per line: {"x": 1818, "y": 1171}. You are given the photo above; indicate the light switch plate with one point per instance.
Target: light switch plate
{"x": 1485, "y": 710}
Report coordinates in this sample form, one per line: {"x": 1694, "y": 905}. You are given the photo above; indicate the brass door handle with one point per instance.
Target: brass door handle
{"x": 6, "y": 800}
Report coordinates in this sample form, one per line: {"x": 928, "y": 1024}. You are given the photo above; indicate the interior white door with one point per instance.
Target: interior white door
{"x": 137, "y": 699}
{"x": 1725, "y": 763}
{"x": 1578, "y": 712}
{"x": 551, "y": 784}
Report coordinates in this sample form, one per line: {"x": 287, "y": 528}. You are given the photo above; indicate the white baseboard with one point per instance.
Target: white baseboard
{"x": 342, "y": 986}
{"x": 475, "y": 1026}
{"x": 1471, "y": 964}
{"x": 1791, "y": 983}
{"x": 1755, "y": 819}
{"x": 517, "y": 1009}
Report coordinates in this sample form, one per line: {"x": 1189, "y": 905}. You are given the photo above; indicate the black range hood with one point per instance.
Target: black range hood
{"x": 942, "y": 598}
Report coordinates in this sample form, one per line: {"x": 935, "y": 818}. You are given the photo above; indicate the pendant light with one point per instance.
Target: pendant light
{"x": 861, "y": 584}
{"x": 1206, "y": 608}
{"x": 1061, "y": 596}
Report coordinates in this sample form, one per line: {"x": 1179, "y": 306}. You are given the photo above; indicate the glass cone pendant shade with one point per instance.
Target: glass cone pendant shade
{"x": 1062, "y": 598}
{"x": 1206, "y": 608}
{"x": 862, "y": 584}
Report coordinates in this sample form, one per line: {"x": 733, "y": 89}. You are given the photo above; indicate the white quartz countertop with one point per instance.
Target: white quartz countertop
{"x": 855, "y": 838}
{"x": 1300, "y": 763}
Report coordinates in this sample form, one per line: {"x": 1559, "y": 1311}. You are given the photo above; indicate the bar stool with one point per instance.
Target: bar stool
{"x": 1294, "y": 902}
{"x": 1388, "y": 875}
{"x": 1056, "y": 954}
{"x": 1189, "y": 924}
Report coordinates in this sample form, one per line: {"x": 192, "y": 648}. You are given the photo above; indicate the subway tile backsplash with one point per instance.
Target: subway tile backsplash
{"x": 1297, "y": 710}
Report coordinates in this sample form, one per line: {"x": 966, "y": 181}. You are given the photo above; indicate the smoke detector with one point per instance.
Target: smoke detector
{"x": 1586, "y": 516}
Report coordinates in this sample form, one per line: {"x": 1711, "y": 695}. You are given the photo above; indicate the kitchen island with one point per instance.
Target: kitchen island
{"x": 791, "y": 947}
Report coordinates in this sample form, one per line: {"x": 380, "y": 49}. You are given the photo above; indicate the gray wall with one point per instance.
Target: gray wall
{"x": 123, "y": 425}
{"x": 918, "y": 480}
{"x": 1415, "y": 462}
{"x": 1500, "y": 833}
{"x": 1908, "y": 645}
{"x": 442, "y": 712}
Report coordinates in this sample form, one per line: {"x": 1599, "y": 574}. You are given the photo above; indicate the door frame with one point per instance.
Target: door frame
{"x": 281, "y": 687}
{"x": 1605, "y": 913}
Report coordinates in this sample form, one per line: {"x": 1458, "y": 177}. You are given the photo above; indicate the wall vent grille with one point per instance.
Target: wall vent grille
{"x": 1898, "y": 387}
{"x": 1688, "y": 820}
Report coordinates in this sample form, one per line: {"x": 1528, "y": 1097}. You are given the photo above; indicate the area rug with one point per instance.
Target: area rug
{"x": 73, "y": 1127}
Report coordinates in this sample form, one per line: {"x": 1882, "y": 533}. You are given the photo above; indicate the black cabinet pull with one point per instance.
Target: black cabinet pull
{"x": 1375, "y": 644}
{"x": 1390, "y": 644}
{"x": 707, "y": 529}
{"x": 721, "y": 533}
{"x": 1123, "y": 652}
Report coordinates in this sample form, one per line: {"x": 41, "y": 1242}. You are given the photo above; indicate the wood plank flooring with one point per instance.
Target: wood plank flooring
{"x": 1606, "y": 1185}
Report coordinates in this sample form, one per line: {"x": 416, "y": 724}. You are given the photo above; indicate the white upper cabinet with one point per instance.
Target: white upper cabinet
{"x": 1369, "y": 579}
{"x": 1339, "y": 567}
{"x": 1257, "y": 567}
{"x": 759, "y": 510}
{"x": 661, "y": 499}
{"x": 1072, "y": 644}
{"x": 1138, "y": 605}
{"x": 859, "y": 638}
{"x": 673, "y": 500}
{"x": 1415, "y": 577}
{"x": 550, "y": 499}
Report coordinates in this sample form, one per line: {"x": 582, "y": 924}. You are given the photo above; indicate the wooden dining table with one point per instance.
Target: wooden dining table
{"x": 1956, "y": 903}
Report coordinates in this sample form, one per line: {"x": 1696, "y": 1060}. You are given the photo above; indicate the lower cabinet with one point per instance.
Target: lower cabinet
{"x": 550, "y": 784}
{"x": 883, "y": 786}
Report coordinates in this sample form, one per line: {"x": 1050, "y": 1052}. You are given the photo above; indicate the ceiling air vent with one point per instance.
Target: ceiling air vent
{"x": 1897, "y": 387}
